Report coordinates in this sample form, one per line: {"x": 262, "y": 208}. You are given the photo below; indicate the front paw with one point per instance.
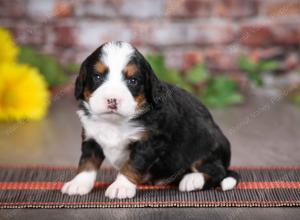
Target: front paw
{"x": 191, "y": 182}
{"x": 121, "y": 188}
{"x": 82, "y": 184}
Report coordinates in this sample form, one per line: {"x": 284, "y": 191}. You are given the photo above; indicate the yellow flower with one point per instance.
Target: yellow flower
{"x": 23, "y": 92}
{"x": 8, "y": 48}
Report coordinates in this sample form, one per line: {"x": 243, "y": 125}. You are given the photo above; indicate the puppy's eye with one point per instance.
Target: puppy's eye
{"x": 97, "y": 77}
{"x": 132, "y": 82}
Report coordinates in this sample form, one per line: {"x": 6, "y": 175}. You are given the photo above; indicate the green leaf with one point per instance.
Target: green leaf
{"x": 296, "y": 99}
{"x": 197, "y": 74}
{"x": 157, "y": 63}
{"x": 256, "y": 79}
{"x": 221, "y": 92}
{"x": 48, "y": 66}
{"x": 169, "y": 75}
{"x": 255, "y": 70}
{"x": 72, "y": 68}
{"x": 268, "y": 65}
{"x": 246, "y": 65}
{"x": 222, "y": 83}
{"x": 294, "y": 95}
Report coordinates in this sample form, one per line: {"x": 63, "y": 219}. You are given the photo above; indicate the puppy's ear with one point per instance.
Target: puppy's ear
{"x": 80, "y": 81}
{"x": 154, "y": 89}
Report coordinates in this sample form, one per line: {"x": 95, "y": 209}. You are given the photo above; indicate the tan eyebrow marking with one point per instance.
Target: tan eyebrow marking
{"x": 130, "y": 70}
{"x": 100, "y": 68}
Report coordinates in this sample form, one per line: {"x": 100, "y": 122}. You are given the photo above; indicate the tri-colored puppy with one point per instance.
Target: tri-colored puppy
{"x": 148, "y": 130}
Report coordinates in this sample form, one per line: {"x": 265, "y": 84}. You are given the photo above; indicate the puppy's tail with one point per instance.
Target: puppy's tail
{"x": 230, "y": 181}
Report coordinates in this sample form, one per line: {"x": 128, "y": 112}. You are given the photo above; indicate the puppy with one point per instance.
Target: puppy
{"x": 150, "y": 131}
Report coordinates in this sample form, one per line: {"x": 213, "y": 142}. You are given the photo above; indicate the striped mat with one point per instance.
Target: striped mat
{"x": 39, "y": 187}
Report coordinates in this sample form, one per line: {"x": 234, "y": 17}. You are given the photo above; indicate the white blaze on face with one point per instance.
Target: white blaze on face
{"x": 115, "y": 56}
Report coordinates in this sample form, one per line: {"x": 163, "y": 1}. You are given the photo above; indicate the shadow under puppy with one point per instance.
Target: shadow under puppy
{"x": 148, "y": 130}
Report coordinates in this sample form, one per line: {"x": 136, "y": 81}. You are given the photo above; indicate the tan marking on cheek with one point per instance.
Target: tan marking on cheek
{"x": 140, "y": 100}
{"x": 130, "y": 70}
{"x": 100, "y": 68}
{"x": 87, "y": 94}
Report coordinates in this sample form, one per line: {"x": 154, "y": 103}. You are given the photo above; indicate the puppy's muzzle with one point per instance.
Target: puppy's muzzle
{"x": 112, "y": 104}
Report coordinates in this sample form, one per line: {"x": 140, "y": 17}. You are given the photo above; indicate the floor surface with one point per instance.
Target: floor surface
{"x": 265, "y": 131}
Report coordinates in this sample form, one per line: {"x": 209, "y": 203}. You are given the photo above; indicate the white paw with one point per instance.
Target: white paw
{"x": 228, "y": 183}
{"x": 191, "y": 181}
{"x": 121, "y": 188}
{"x": 82, "y": 184}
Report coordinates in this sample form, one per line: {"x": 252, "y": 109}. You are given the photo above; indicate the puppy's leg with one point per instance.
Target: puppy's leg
{"x": 135, "y": 171}
{"x": 125, "y": 184}
{"x": 90, "y": 160}
{"x": 218, "y": 175}
{"x": 204, "y": 175}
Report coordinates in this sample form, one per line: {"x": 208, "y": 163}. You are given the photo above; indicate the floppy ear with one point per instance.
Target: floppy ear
{"x": 154, "y": 90}
{"x": 80, "y": 81}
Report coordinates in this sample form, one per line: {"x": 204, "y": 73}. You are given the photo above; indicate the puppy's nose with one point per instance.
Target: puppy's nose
{"x": 112, "y": 104}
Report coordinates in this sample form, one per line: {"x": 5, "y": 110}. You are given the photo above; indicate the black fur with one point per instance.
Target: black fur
{"x": 181, "y": 130}
{"x": 92, "y": 153}
{"x": 85, "y": 79}
{"x": 152, "y": 87}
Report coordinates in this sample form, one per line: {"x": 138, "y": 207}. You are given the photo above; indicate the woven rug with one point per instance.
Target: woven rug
{"x": 39, "y": 187}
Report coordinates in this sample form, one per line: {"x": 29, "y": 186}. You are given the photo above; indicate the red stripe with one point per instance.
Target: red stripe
{"x": 253, "y": 203}
{"x": 58, "y": 185}
{"x": 268, "y": 185}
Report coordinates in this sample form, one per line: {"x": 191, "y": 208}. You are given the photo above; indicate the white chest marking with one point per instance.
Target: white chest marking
{"x": 113, "y": 137}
